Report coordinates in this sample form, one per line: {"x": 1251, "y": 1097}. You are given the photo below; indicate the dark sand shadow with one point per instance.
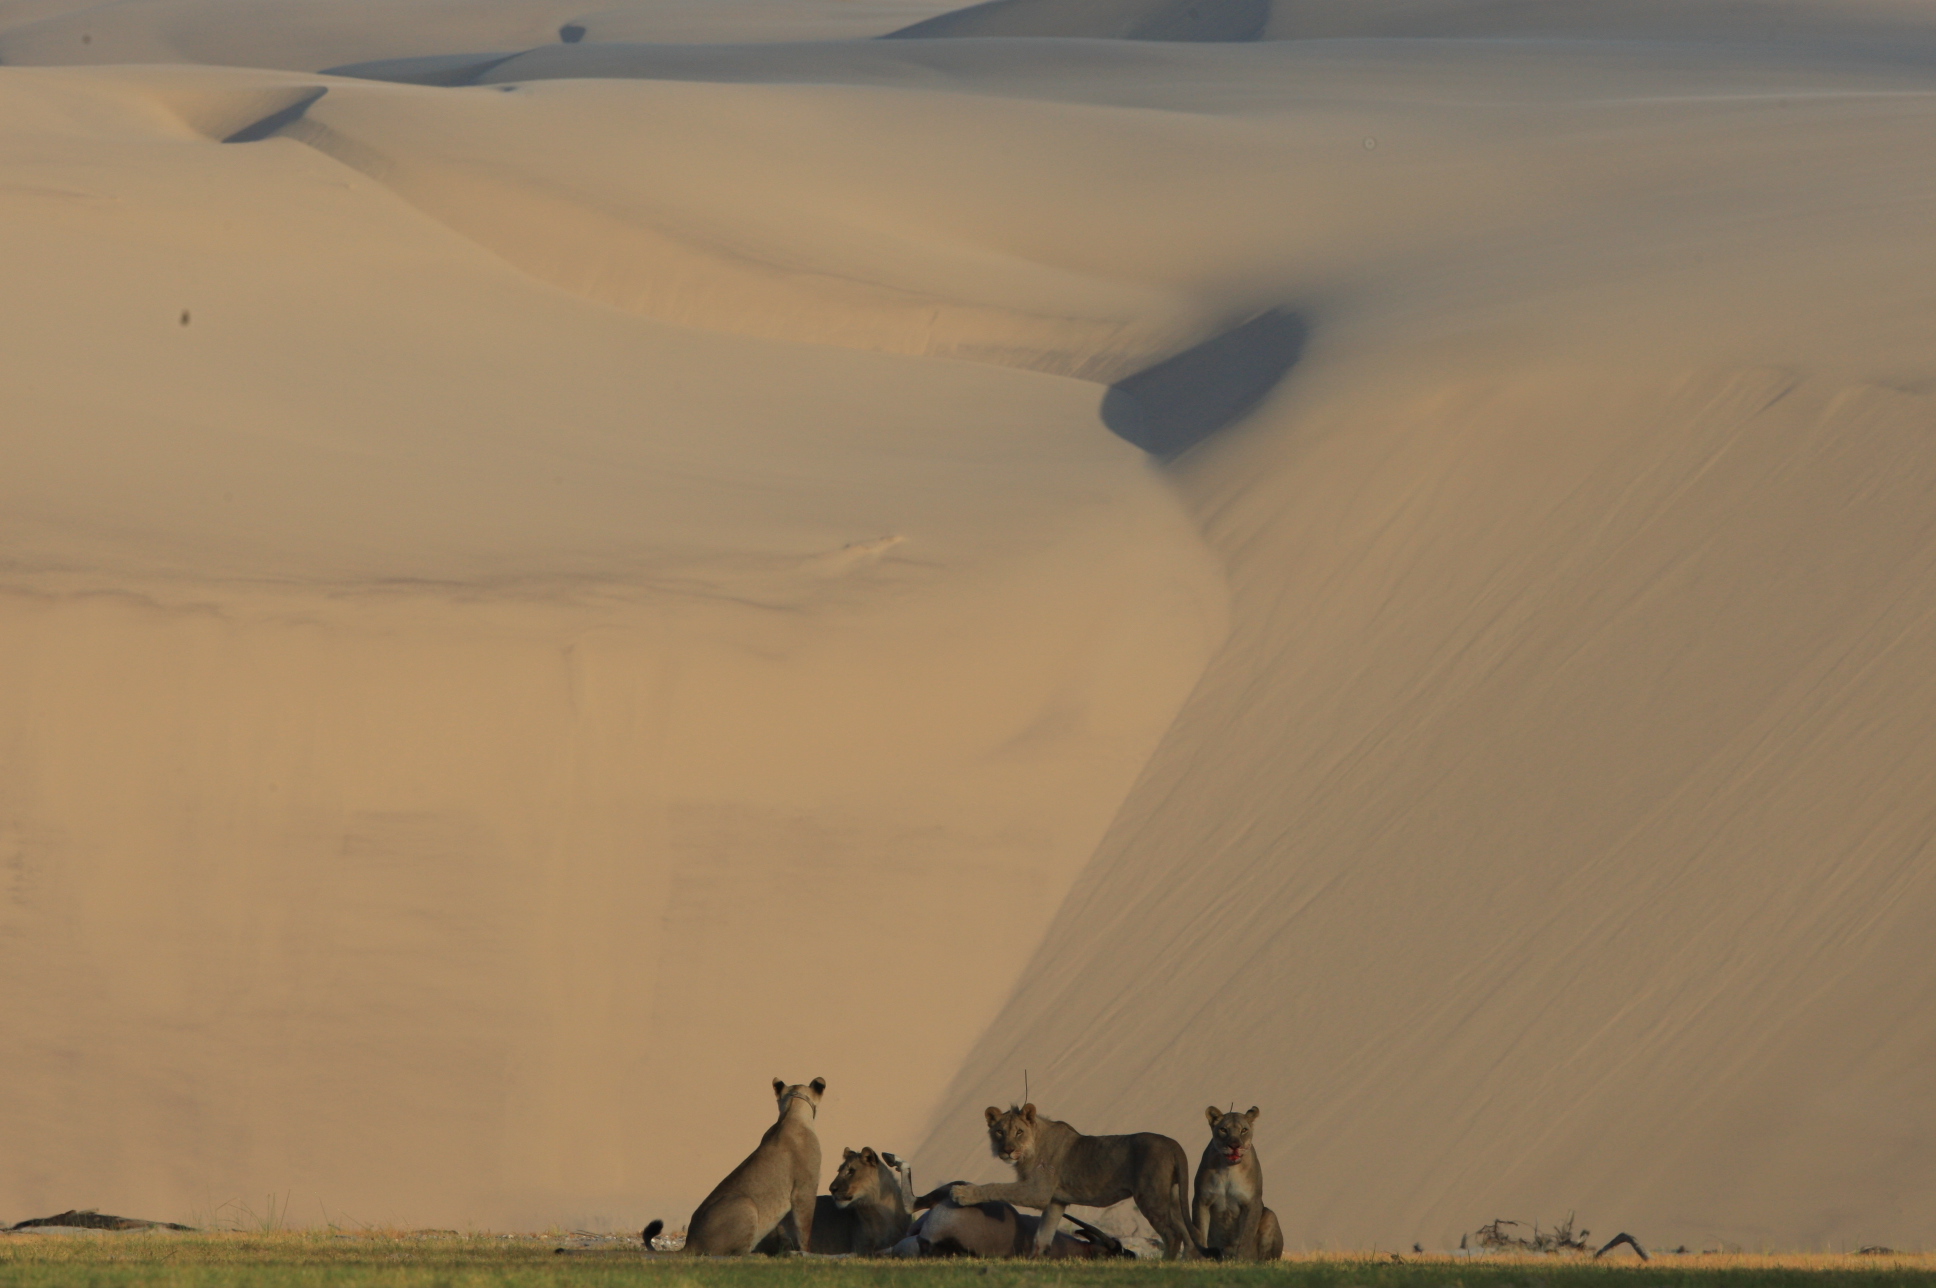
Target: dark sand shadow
{"x": 1171, "y": 407}
{"x": 1188, "y": 20}
{"x": 444, "y": 71}
{"x": 268, "y": 126}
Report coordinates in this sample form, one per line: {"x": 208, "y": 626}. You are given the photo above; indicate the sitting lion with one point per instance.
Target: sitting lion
{"x": 772, "y": 1190}
{"x": 864, "y": 1211}
{"x": 1231, "y": 1220}
{"x": 1056, "y": 1165}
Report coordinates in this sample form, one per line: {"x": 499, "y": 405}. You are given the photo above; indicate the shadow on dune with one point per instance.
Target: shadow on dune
{"x": 444, "y": 71}
{"x": 268, "y": 126}
{"x": 1211, "y": 20}
{"x": 1171, "y": 407}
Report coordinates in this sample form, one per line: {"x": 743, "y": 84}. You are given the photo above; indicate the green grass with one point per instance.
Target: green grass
{"x": 323, "y": 1260}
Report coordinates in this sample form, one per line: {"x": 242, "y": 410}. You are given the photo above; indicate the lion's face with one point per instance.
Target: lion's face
{"x": 859, "y": 1177}
{"x": 1012, "y": 1135}
{"x": 1231, "y": 1132}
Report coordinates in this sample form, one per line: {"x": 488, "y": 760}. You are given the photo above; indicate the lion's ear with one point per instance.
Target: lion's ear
{"x": 993, "y": 1115}
{"x": 1252, "y": 1115}
{"x": 819, "y": 1086}
{"x": 779, "y": 1086}
{"x": 846, "y": 1155}
{"x": 868, "y": 1156}
{"x": 1213, "y": 1113}
{"x": 1028, "y": 1112}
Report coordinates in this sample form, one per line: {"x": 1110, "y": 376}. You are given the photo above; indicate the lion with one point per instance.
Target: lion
{"x": 996, "y": 1230}
{"x": 1231, "y": 1219}
{"x": 772, "y": 1190}
{"x": 1056, "y": 1165}
{"x": 864, "y": 1211}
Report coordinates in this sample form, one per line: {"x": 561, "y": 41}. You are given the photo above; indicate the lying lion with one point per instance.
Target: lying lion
{"x": 995, "y": 1229}
{"x": 864, "y": 1211}
{"x": 1056, "y": 1165}
{"x": 773, "y": 1190}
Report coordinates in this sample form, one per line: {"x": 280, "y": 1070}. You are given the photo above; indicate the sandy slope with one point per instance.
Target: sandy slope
{"x": 423, "y": 687}
{"x": 1553, "y": 831}
{"x": 623, "y": 586}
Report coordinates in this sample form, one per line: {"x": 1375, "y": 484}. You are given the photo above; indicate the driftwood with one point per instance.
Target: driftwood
{"x": 1617, "y": 1240}
{"x": 1560, "y": 1238}
{"x": 91, "y": 1219}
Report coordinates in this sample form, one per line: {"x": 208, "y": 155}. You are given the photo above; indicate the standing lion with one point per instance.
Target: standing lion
{"x": 1056, "y": 1165}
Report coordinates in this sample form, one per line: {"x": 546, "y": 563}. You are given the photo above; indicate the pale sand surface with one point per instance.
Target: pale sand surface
{"x": 624, "y": 588}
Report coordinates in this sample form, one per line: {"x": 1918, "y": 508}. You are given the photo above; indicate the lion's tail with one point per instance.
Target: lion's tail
{"x": 650, "y": 1233}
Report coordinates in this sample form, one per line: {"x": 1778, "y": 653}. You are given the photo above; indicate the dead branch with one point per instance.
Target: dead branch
{"x": 1617, "y": 1240}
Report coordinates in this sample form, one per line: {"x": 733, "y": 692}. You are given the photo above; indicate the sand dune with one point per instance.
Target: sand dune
{"x": 1762, "y": 23}
{"x": 306, "y": 36}
{"x": 530, "y": 662}
{"x": 1759, "y": 22}
{"x": 855, "y": 257}
{"x": 1378, "y": 570}
{"x": 310, "y": 36}
{"x": 1524, "y": 841}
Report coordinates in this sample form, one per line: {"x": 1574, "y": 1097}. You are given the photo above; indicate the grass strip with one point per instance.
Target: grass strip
{"x": 326, "y": 1260}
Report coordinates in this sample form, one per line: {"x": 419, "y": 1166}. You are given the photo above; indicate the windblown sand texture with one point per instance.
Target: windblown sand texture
{"x": 557, "y": 565}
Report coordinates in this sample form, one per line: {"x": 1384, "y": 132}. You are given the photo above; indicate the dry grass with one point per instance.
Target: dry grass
{"x": 405, "y": 1259}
